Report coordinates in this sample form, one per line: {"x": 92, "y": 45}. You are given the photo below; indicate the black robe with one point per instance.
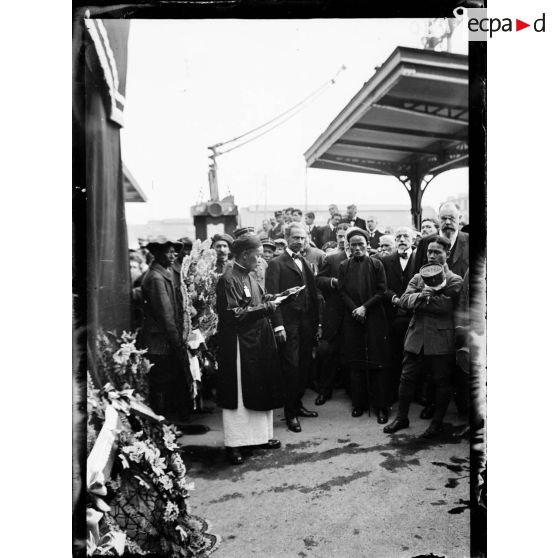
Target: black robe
{"x": 243, "y": 315}
{"x": 363, "y": 283}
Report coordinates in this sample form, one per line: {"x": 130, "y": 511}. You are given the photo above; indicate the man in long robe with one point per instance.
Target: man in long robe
{"x": 249, "y": 382}
{"x": 364, "y": 330}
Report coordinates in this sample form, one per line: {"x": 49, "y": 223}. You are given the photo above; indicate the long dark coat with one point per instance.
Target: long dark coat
{"x": 161, "y": 331}
{"x": 333, "y": 310}
{"x": 244, "y": 316}
{"x": 364, "y": 343}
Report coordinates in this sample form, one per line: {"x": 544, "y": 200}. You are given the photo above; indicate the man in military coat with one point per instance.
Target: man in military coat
{"x": 430, "y": 339}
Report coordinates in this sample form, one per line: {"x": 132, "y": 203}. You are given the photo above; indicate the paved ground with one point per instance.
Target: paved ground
{"x": 340, "y": 488}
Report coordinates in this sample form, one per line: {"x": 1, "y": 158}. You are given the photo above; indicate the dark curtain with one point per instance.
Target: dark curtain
{"x": 99, "y": 220}
{"x": 101, "y": 276}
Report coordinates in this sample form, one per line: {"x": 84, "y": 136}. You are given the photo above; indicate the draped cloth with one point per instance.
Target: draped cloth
{"x": 102, "y": 286}
{"x": 243, "y": 427}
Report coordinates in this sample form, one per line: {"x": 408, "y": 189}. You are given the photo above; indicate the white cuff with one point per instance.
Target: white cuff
{"x": 279, "y": 328}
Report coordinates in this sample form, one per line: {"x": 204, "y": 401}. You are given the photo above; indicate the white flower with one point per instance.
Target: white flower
{"x": 171, "y": 512}
{"x": 166, "y": 482}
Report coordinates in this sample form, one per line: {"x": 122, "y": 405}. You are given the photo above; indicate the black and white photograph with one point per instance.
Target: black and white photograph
{"x": 279, "y": 278}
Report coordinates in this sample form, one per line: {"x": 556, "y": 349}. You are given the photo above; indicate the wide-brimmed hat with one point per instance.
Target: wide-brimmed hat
{"x": 160, "y": 240}
{"x": 354, "y": 231}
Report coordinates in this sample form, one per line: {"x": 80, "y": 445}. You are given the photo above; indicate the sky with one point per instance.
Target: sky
{"x": 194, "y": 83}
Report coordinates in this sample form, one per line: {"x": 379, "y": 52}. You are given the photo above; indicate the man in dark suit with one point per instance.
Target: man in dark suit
{"x": 328, "y": 232}
{"x": 458, "y": 260}
{"x": 352, "y": 218}
{"x": 399, "y": 271}
{"x": 375, "y": 234}
{"x": 430, "y": 339}
{"x": 295, "y": 323}
{"x": 312, "y": 228}
{"x": 277, "y": 231}
{"x": 327, "y": 281}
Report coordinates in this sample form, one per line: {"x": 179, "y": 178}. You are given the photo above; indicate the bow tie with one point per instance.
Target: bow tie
{"x": 297, "y": 256}
{"x": 404, "y": 256}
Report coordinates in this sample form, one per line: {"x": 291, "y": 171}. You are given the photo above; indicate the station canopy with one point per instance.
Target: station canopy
{"x": 132, "y": 190}
{"x": 410, "y": 121}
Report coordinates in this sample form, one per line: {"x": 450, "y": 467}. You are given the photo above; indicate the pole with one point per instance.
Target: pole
{"x": 305, "y": 189}
{"x": 265, "y": 196}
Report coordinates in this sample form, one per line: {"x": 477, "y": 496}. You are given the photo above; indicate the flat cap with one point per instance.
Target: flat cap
{"x": 246, "y": 242}
{"x": 243, "y": 230}
{"x": 225, "y": 237}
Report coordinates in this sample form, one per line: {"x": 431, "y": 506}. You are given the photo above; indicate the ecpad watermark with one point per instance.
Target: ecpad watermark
{"x": 477, "y": 26}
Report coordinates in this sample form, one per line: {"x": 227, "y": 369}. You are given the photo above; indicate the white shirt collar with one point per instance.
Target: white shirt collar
{"x": 290, "y": 252}
{"x": 409, "y": 252}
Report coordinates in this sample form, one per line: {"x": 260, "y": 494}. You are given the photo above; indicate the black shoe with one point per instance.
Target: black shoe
{"x": 293, "y": 425}
{"x": 302, "y": 412}
{"x": 421, "y": 400}
{"x": 234, "y": 456}
{"x": 272, "y": 444}
{"x": 428, "y": 412}
{"x": 194, "y": 429}
{"x": 357, "y": 412}
{"x": 397, "y": 424}
{"x": 321, "y": 399}
{"x": 435, "y": 429}
{"x": 382, "y": 415}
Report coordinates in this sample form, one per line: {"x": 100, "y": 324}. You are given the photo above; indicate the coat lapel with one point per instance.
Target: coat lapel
{"x": 165, "y": 273}
{"x": 291, "y": 264}
{"x": 457, "y": 249}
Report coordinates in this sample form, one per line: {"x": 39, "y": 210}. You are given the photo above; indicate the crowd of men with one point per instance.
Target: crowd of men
{"x": 301, "y": 305}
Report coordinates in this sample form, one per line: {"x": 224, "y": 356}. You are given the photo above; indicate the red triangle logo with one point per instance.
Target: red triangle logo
{"x": 519, "y": 25}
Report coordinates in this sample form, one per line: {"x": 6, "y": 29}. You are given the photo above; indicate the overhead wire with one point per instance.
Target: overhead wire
{"x": 298, "y": 106}
{"x": 264, "y": 132}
